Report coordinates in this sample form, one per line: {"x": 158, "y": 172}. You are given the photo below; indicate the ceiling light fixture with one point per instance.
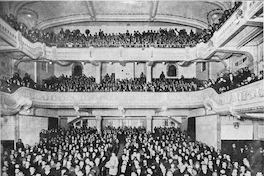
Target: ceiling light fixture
{"x": 214, "y": 16}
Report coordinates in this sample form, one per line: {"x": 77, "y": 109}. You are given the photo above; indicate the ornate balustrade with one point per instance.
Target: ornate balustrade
{"x": 230, "y": 28}
{"x": 246, "y": 98}
{"x": 202, "y": 50}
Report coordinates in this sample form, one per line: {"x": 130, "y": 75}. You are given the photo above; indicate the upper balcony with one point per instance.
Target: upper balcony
{"x": 241, "y": 19}
{"x": 243, "y": 101}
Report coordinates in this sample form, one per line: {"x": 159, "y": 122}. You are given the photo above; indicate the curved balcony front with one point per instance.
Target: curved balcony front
{"x": 202, "y": 50}
{"x": 244, "y": 99}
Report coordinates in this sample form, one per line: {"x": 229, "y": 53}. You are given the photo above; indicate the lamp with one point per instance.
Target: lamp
{"x": 236, "y": 125}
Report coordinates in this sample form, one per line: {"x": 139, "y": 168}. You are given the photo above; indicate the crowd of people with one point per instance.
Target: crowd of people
{"x": 165, "y": 38}
{"x": 225, "y": 82}
{"x": 10, "y": 85}
{"x": 110, "y": 84}
{"x": 165, "y": 152}
{"x": 228, "y": 80}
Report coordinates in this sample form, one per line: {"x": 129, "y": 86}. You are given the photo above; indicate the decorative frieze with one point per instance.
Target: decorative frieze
{"x": 247, "y": 97}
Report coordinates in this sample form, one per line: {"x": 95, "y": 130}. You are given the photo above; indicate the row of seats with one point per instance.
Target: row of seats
{"x": 127, "y": 152}
{"x": 165, "y": 38}
{"x": 225, "y": 82}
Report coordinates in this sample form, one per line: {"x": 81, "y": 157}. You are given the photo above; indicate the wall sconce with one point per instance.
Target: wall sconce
{"x": 164, "y": 108}
{"x": 236, "y": 125}
{"x": 50, "y": 63}
{"x": 76, "y": 108}
{"x": 120, "y": 108}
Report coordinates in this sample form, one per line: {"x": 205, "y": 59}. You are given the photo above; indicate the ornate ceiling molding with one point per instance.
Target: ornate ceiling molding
{"x": 152, "y": 14}
{"x": 181, "y": 20}
{"x": 64, "y": 20}
{"x": 17, "y": 6}
{"x": 221, "y": 4}
{"x": 153, "y": 10}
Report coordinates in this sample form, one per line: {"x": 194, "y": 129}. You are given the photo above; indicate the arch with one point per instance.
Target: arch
{"x": 172, "y": 70}
{"x": 77, "y": 69}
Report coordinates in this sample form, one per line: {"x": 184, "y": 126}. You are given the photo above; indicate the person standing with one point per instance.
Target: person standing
{"x": 20, "y": 144}
{"x": 112, "y": 164}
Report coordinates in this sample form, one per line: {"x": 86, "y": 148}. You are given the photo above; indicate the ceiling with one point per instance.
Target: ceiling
{"x": 48, "y": 14}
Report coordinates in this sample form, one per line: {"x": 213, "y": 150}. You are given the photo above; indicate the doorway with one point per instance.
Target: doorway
{"x": 77, "y": 69}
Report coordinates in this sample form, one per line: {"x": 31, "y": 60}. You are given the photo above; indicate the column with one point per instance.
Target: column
{"x": 149, "y": 123}
{"x": 255, "y": 130}
{"x": 17, "y": 130}
{"x": 98, "y": 73}
{"x": 149, "y": 73}
{"x": 35, "y": 72}
{"x": 81, "y": 123}
{"x": 134, "y": 70}
{"x": 219, "y": 132}
{"x": 99, "y": 124}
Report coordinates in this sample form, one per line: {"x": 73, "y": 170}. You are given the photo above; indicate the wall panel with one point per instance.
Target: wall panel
{"x": 8, "y": 128}
{"x": 30, "y": 128}
{"x": 206, "y": 130}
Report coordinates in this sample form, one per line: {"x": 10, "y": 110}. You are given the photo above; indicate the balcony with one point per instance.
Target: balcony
{"x": 236, "y": 23}
{"x": 238, "y": 102}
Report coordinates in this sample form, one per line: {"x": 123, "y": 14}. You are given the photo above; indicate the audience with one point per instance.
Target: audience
{"x": 225, "y": 82}
{"x": 228, "y": 81}
{"x": 165, "y": 152}
{"x": 163, "y": 38}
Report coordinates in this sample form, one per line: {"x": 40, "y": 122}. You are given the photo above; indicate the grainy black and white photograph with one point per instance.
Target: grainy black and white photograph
{"x": 132, "y": 88}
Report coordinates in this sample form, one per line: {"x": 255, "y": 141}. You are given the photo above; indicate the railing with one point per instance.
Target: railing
{"x": 201, "y": 50}
{"x": 236, "y": 21}
{"x": 8, "y": 33}
{"x": 244, "y": 98}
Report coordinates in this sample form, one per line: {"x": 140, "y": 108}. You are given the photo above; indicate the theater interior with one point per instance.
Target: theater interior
{"x": 140, "y": 88}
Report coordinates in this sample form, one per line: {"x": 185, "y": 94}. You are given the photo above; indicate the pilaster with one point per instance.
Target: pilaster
{"x": 99, "y": 124}
{"x": 98, "y": 73}
{"x": 149, "y": 73}
{"x": 17, "y": 129}
{"x": 149, "y": 123}
{"x": 218, "y": 132}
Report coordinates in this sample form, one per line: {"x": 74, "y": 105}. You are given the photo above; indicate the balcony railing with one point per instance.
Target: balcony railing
{"x": 202, "y": 50}
{"x": 250, "y": 97}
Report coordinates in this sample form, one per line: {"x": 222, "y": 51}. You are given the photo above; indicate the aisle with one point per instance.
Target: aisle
{"x": 121, "y": 150}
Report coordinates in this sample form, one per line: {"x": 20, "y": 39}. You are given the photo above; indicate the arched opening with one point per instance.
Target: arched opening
{"x": 77, "y": 70}
{"x": 172, "y": 70}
